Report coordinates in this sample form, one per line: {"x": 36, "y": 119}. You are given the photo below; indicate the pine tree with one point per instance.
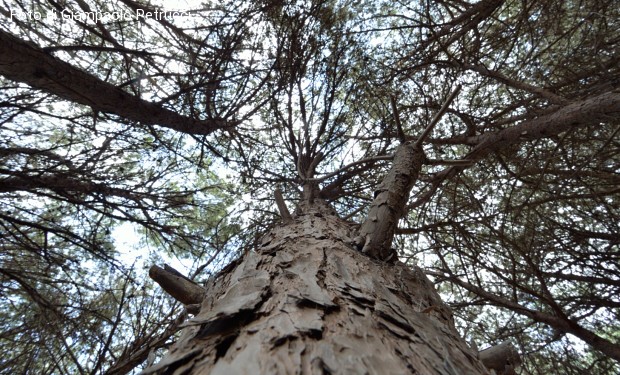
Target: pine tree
{"x": 372, "y": 144}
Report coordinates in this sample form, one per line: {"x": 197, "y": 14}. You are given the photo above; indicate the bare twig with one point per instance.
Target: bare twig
{"x": 437, "y": 117}
{"x": 395, "y": 113}
{"x": 353, "y": 164}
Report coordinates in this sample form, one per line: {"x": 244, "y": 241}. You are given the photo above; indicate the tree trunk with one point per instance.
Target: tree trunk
{"x": 306, "y": 302}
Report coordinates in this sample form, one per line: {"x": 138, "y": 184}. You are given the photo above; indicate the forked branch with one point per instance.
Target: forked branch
{"x": 390, "y": 199}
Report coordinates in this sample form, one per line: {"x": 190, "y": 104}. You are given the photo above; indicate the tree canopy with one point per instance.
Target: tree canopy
{"x": 180, "y": 121}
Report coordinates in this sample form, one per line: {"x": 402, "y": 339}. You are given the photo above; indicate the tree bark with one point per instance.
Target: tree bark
{"x": 307, "y": 302}
{"x": 388, "y": 206}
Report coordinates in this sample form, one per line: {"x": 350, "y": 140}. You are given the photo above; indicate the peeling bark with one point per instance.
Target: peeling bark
{"x": 305, "y": 302}
{"x": 28, "y": 63}
{"x": 377, "y": 232}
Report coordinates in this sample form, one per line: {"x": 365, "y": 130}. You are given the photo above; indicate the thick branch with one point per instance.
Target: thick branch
{"x": 284, "y": 212}
{"x": 62, "y": 182}
{"x": 28, "y": 63}
{"x": 181, "y": 288}
{"x": 377, "y": 232}
{"x": 601, "y": 108}
{"x": 389, "y": 205}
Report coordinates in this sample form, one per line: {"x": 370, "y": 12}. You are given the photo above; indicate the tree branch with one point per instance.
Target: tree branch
{"x": 377, "y": 231}
{"x": 178, "y": 286}
{"x": 564, "y": 325}
{"x": 28, "y": 63}
{"x": 601, "y": 108}
{"x": 437, "y": 117}
{"x": 284, "y": 212}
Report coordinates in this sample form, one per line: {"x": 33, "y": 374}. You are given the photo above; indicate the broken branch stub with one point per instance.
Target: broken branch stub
{"x": 179, "y": 287}
{"x": 377, "y": 232}
{"x": 503, "y": 358}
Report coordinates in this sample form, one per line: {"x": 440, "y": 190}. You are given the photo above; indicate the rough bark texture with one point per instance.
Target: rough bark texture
{"x": 377, "y": 232}
{"x": 306, "y": 302}
{"x": 28, "y": 63}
